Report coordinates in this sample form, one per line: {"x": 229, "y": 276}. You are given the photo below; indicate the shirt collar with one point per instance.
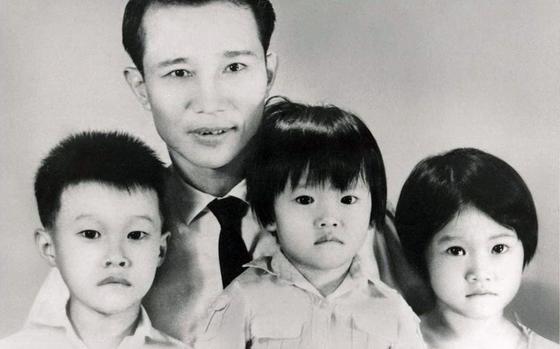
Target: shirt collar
{"x": 281, "y": 267}
{"x": 193, "y": 201}
{"x": 51, "y": 312}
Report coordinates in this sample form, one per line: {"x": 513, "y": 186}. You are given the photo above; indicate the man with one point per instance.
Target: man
{"x": 203, "y": 69}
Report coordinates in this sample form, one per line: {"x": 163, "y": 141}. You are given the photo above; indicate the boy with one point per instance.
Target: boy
{"x": 99, "y": 198}
{"x": 317, "y": 182}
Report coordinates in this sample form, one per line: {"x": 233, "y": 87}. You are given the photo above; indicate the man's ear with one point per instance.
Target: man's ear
{"x": 163, "y": 247}
{"x": 271, "y": 68}
{"x": 45, "y": 245}
{"x": 135, "y": 80}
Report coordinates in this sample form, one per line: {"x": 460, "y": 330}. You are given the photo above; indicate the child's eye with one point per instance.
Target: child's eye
{"x": 499, "y": 248}
{"x": 90, "y": 234}
{"x": 136, "y": 235}
{"x": 304, "y": 200}
{"x": 348, "y": 199}
{"x": 180, "y": 73}
{"x": 456, "y": 251}
{"x": 235, "y": 67}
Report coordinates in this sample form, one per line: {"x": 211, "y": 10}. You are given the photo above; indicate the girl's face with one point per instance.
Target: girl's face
{"x": 475, "y": 265}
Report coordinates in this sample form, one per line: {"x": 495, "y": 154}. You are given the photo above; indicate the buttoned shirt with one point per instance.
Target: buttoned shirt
{"x": 272, "y": 305}
{"x": 190, "y": 279}
{"x": 49, "y": 327}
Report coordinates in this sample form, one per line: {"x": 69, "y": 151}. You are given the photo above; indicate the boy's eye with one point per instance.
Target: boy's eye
{"x": 181, "y": 73}
{"x": 90, "y": 234}
{"x": 499, "y": 248}
{"x": 456, "y": 251}
{"x": 348, "y": 199}
{"x": 304, "y": 200}
{"x": 136, "y": 235}
{"x": 235, "y": 67}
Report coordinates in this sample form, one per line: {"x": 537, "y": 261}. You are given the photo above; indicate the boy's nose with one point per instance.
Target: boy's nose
{"x": 327, "y": 222}
{"x": 117, "y": 261}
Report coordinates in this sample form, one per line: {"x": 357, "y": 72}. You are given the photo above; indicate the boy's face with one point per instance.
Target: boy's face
{"x": 107, "y": 244}
{"x": 320, "y": 228}
{"x": 205, "y": 80}
{"x": 475, "y": 265}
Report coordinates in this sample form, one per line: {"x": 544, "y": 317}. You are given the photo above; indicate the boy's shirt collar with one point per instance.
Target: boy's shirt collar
{"x": 193, "y": 201}
{"x": 279, "y": 265}
{"x": 51, "y": 312}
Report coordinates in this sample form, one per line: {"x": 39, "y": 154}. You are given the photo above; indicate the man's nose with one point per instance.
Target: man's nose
{"x": 208, "y": 97}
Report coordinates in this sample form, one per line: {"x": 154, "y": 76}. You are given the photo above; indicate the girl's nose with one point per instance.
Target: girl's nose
{"x": 327, "y": 222}
{"x": 479, "y": 271}
{"x": 117, "y": 261}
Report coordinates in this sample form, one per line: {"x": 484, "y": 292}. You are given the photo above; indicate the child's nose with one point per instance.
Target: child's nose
{"x": 327, "y": 222}
{"x": 117, "y": 258}
{"x": 479, "y": 272}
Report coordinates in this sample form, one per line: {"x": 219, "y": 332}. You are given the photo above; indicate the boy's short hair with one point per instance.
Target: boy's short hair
{"x": 112, "y": 158}
{"x": 440, "y": 186}
{"x": 325, "y": 143}
{"x": 133, "y": 33}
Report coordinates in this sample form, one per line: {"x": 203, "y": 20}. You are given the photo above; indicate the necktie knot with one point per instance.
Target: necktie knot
{"x": 229, "y": 211}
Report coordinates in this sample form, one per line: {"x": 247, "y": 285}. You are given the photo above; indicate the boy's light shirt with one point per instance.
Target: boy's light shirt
{"x": 48, "y": 326}
{"x": 272, "y": 305}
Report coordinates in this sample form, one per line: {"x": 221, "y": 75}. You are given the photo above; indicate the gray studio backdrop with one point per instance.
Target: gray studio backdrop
{"x": 426, "y": 76}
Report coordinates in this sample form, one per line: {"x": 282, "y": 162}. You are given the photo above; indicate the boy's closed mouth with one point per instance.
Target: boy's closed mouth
{"x": 326, "y": 239}
{"x": 112, "y": 280}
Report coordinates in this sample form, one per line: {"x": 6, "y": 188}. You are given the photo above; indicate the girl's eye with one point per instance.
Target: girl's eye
{"x": 349, "y": 199}
{"x": 456, "y": 251}
{"x": 235, "y": 67}
{"x": 90, "y": 234}
{"x": 136, "y": 235}
{"x": 499, "y": 248}
{"x": 304, "y": 200}
{"x": 181, "y": 73}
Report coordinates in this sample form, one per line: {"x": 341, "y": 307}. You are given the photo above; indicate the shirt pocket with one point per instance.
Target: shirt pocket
{"x": 373, "y": 332}
{"x": 268, "y": 332}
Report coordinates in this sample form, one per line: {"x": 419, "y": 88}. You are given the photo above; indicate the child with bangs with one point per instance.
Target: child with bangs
{"x": 467, "y": 220}
{"x": 316, "y": 180}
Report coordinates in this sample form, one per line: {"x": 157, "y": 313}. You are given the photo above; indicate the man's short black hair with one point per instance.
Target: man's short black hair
{"x": 133, "y": 33}
{"x": 440, "y": 186}
{"x": 112, "y": 158}
{"x": 324, "y": 143}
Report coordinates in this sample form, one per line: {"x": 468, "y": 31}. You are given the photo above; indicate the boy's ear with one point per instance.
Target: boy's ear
{"x": 135, "y": 80}
{"x": 271, "y": 227}
{"x": 45, "y": 245}
{"x": 163, "y": 247}
{"x": 271, "y": 68}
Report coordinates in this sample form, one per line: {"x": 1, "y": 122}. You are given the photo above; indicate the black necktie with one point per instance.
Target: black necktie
{"x": 231, "y": 248}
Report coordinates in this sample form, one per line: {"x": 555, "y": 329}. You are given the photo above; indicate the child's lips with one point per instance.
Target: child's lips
{"x": 113, "y": 280}
{"x": 480, "y": 293}
{"x": 327, "y": 239}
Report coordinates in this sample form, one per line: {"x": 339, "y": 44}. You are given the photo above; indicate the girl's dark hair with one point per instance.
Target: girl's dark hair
{"x": 440, "y": 186}
{"x": 324, "y": 143}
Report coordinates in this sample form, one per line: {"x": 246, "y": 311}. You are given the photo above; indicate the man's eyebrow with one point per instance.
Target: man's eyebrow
{"x": 169, "y": 62}
{"x": 233, "y": 54}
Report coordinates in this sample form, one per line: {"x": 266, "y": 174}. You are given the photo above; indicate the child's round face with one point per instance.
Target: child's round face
{"x": 320, "y": 227}
{"x": 475, "y": 265}
{"x": 107, "y": 245}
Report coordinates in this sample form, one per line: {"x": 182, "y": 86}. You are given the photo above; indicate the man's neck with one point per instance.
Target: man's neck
{"x": 214, "y": 181}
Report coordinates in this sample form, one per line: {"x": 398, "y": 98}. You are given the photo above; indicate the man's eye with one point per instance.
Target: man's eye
{"x": 348, "y": 199}
{"x": 499, "y": 248}
{"x": 90, "y": 234}
{"x": 235, "y": 67}
{"x": 136, "y": 235}
{"x": 456, "y": 251}
{"x": 181, "y": 73}
{"x": 304, "y": 200}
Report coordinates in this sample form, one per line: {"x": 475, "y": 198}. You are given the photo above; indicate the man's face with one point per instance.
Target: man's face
{"x": 205, "y": 80}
